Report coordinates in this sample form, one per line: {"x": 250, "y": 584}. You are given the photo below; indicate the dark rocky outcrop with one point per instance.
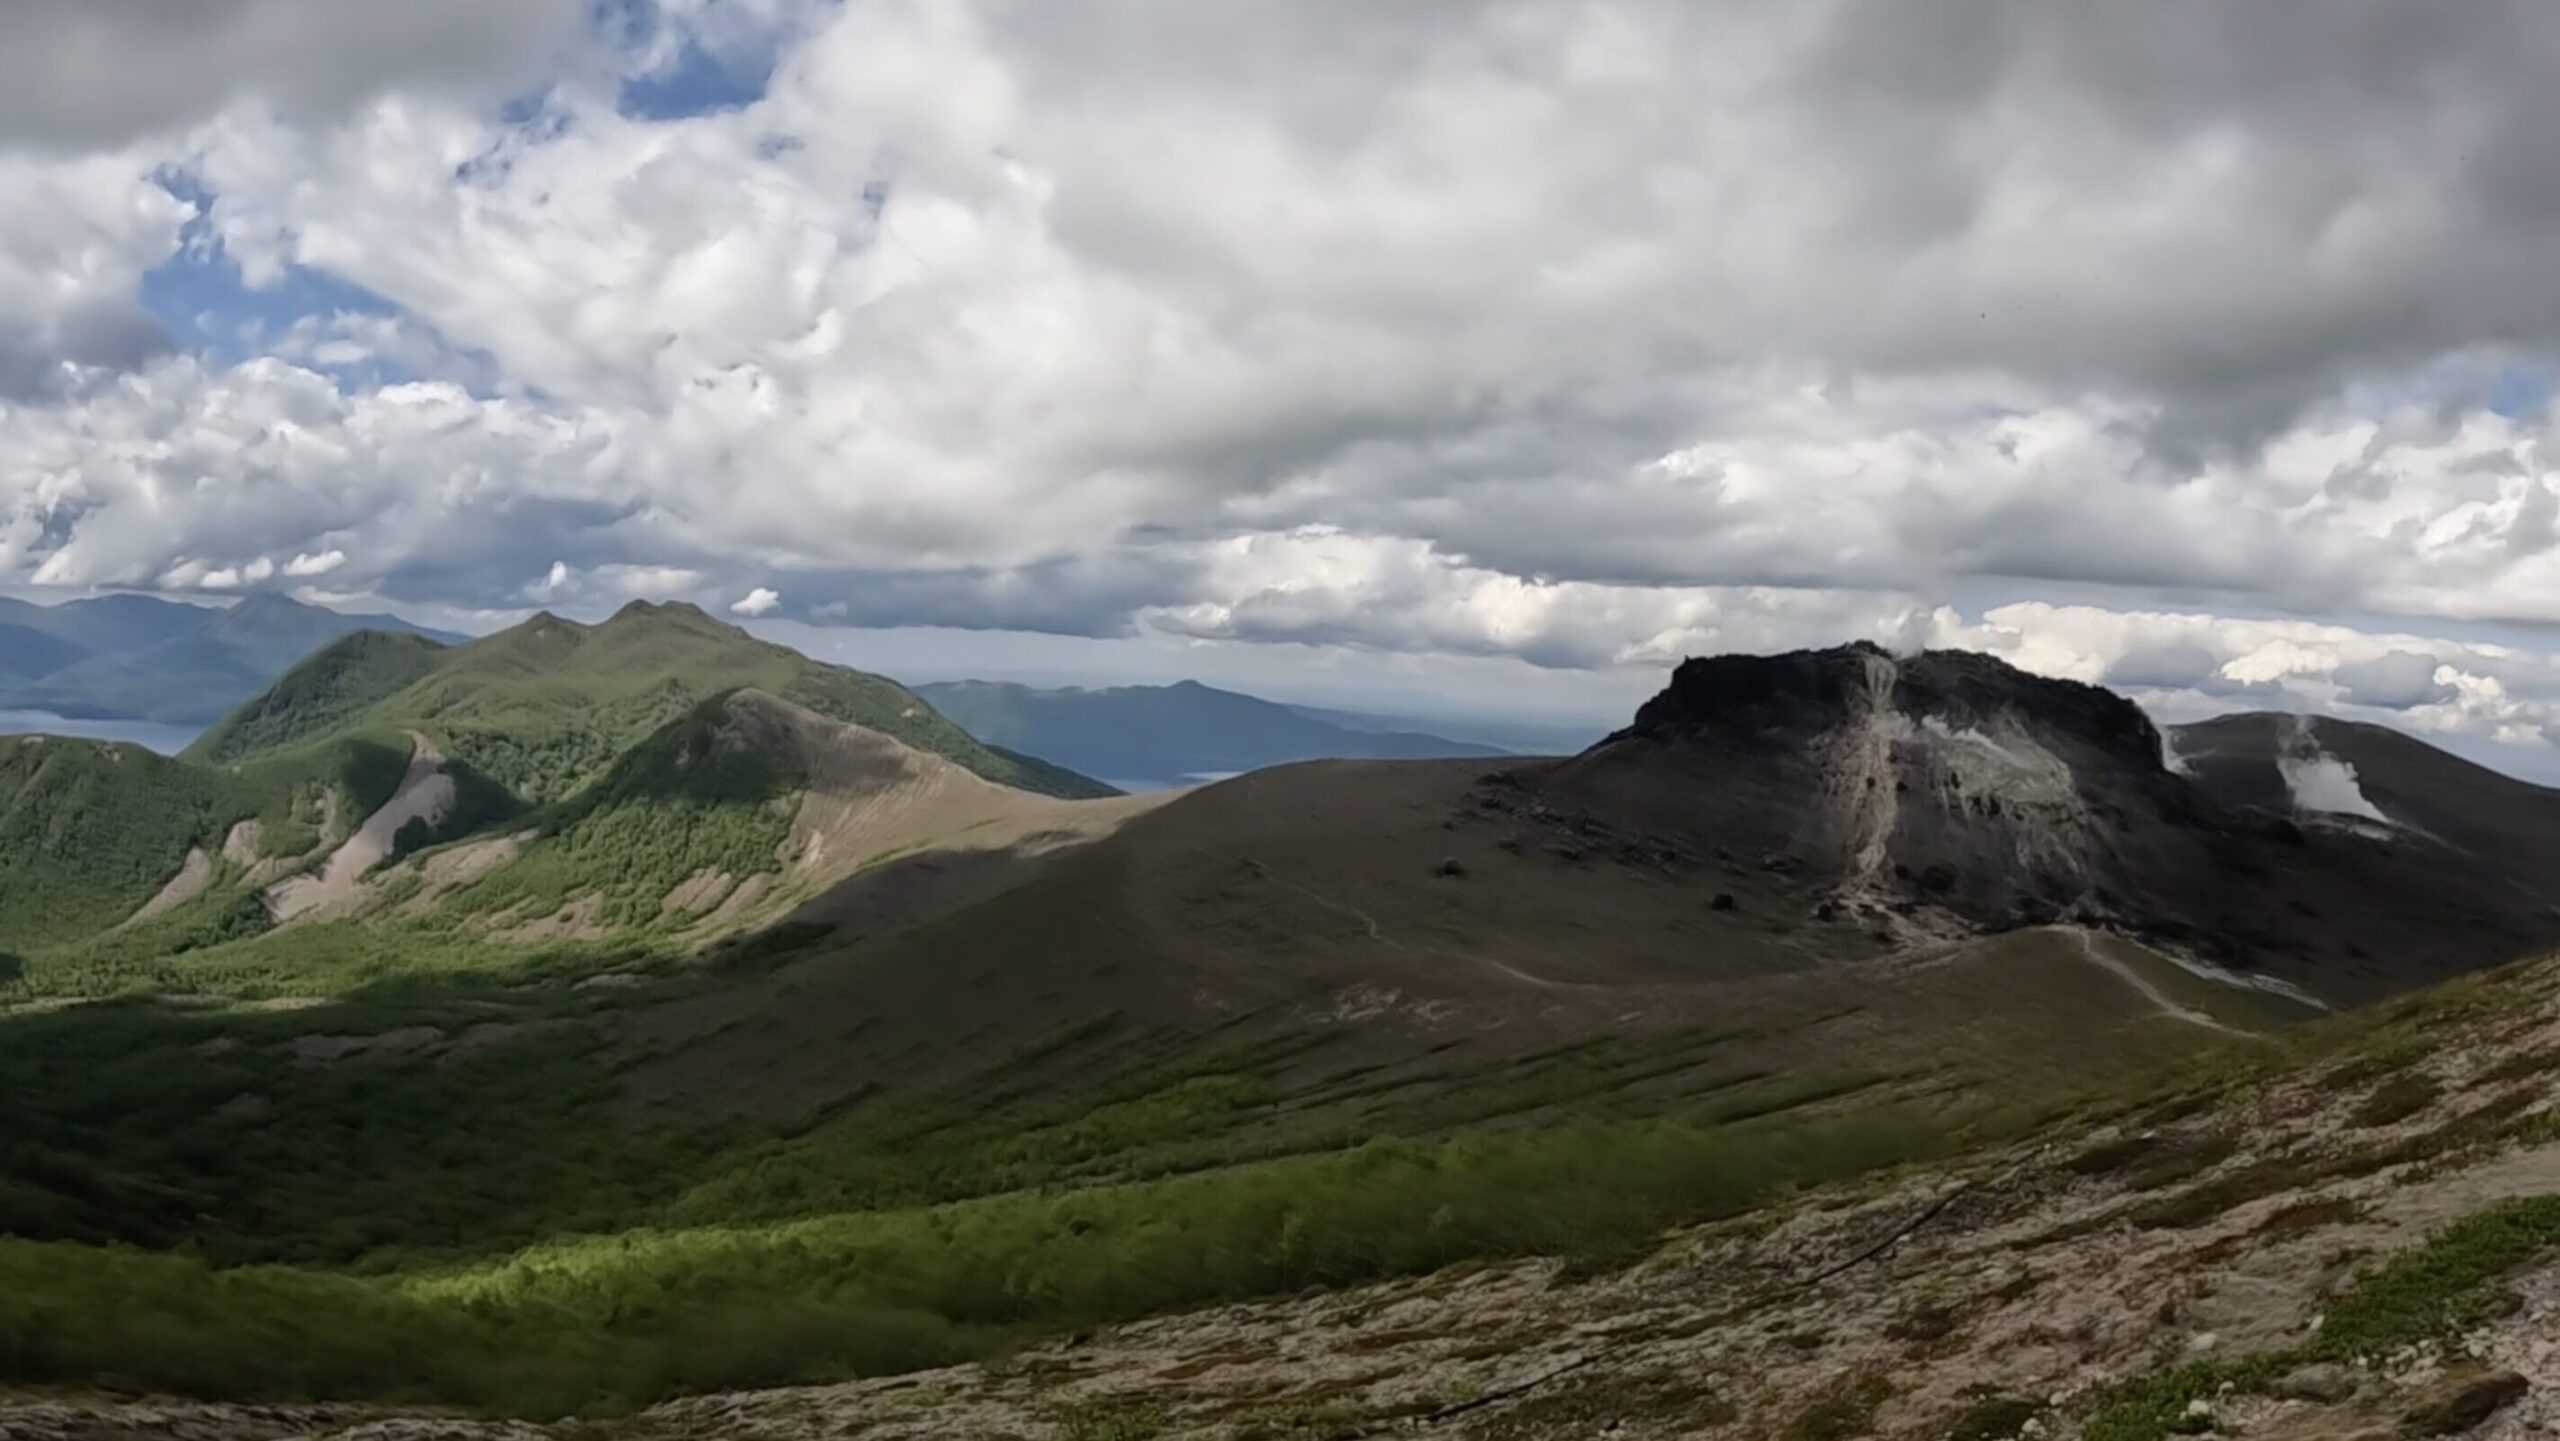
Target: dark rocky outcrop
{"x": 1923, "y": 797}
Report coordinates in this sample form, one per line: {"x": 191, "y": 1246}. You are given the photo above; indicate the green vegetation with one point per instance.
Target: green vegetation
{"x": 2432, "y": 1293}
{"x": 623, "y": 1318}
{"x": 90, "y": 830}
{"x": 323, "y": 694}
{"x": 689, "y": 798}
{"x": 546, "y": 709}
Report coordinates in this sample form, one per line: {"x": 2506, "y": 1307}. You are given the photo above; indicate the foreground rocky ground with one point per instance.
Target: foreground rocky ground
{"x": 2340, "y": 1242}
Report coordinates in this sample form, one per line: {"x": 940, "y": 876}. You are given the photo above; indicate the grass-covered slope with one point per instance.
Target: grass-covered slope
{"x": 696, "y": 795}
{"x": 323, "y": 694}
{"x": 337, "y": 1203}
{"x": 545, "y": 708}
{"x": 90, "y": 829}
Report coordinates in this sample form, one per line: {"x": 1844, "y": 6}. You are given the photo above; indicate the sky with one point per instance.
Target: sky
{"x": 1443, "y": 354}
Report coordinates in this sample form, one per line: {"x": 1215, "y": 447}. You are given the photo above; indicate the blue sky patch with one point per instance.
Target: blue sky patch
{"x": 693, "y": 78}
{"x": 200, "y": 296}
{"x": 2521, "y": 390}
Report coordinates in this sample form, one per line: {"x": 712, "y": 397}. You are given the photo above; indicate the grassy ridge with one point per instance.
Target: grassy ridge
{"x": 322, "y": 694}
{"x": 89, "y": 830}
{"x": 546, "y": 708}
{"x": 686, "y": 799}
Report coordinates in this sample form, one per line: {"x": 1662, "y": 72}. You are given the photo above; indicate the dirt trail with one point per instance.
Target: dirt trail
{"x": 2167, "y": 1004}
{"x": 425, "y": 793}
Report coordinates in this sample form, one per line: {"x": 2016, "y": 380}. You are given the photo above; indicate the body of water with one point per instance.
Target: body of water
{"x": 168, "y": 740}
{"x": 1141, "y": 785}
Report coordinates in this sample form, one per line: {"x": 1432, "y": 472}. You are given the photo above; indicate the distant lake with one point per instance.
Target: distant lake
{"x": 168, "y": 740}
{"x": 1142, "y": 785}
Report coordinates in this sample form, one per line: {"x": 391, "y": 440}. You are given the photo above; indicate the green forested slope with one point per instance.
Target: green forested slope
{"x": 545, "y": 708}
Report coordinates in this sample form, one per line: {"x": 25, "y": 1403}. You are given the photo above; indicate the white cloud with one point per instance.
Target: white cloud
{"x": 304, "y": 566}
{"x": 1430, "y": 329}
{"x": 554, "y": 582}
{"x": 77, "y": 73}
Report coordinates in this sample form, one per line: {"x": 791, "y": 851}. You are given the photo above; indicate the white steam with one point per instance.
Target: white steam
{"x": 2320, "y": 781}
{"x": 2175, "y": 763}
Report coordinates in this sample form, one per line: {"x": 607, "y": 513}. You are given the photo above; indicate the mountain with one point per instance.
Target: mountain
{"x": 1167, "y": 735}
{"x": 134, "y": 658}
{"x": 109, "y": 623}
{"x": 608, "y": 754}
{"x": 595, "y": 1016}
{"x": 1497, "y": 733}
{"x": 544, "y": 708}
{"x": 2349, "y": 774}
{"x": 26, "y": 653}
{"x": 1828, "y": 854}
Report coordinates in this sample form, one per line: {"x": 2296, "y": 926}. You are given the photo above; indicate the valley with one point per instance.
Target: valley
{"x": 588, "y": 1018}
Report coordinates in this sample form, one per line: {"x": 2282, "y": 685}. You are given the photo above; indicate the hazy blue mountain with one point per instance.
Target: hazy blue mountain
{"x": 1524, "y": 738}
{"x": 137, "y": 658}
{"x": 103, "y": 625}
{"x": 26, "y": 652}
{"x": 1168, "y": 735}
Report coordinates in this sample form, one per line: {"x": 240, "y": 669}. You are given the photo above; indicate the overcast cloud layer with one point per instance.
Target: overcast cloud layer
{"x": 2201, "y": 349}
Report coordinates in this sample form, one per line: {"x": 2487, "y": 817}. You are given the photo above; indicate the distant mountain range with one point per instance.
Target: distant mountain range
{"x": 1175, "y": 734}
{"x": 133, "y": 657}
{"x": 1512, "y": 737}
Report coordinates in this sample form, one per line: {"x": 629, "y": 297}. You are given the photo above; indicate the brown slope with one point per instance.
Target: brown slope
{"x": 870, "y": 798}
{"x": 1308, "y": 922}
{"x": 858, "y": 797}
{"x": 1840, "y": 861}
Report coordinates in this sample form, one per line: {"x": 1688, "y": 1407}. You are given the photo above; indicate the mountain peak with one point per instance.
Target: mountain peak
{"x": 261, "y": 603}
{"x": 1794, "y": 697}
{"x": 677, "y": 610}
{"x": 1943, "y": 786}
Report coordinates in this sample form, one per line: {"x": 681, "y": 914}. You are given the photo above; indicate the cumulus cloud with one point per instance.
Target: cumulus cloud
{"x": 75, "y": 239}
{"x": 1587, "y": 334}
{"x": 74, "y": 73}
{"x": 2393, "y": 680}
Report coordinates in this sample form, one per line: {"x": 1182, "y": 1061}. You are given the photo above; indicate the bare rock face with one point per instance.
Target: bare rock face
{"x": 1928, "y": 797}
{"x": 1786, "y": 700}
{"x": 1944, "y": 781}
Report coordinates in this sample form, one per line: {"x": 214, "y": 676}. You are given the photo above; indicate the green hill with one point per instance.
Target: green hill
{"x": 545, "y": 708}
{"x": 91, "y": 829}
